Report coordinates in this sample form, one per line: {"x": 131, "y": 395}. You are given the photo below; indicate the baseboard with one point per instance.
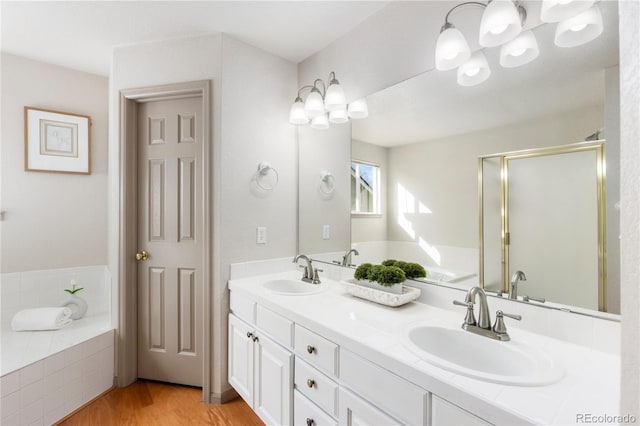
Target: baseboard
{"x": 226, "y": 396}
{"x": 57, "y": 422}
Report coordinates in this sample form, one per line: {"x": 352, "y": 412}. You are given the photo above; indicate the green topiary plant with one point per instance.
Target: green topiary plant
{"x": 390, "y": 275}
{"x": 413, "y": 270}
{"x": 389, "y": 262}
{"x": 375, "y": 271}
{"x": 362, "y": 271}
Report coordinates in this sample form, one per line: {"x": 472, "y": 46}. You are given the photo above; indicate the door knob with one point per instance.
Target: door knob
{"x": 142, "y": 255}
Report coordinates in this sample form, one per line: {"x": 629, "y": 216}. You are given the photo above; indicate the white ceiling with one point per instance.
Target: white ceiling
{"x": 433, "y": 106}
{"x": 81, "y": 34}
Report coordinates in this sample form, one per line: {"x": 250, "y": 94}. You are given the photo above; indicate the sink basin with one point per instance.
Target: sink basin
{"x": 479, "y": 357}
{"x": 293, "y": 287}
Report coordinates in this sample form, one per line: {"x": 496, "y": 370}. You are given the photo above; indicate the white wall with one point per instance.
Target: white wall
{"x": 52, "y": 220}
{"x": 252, "y": 93}
{"x": 324, "y": 151}
{"x": 629, "y": 13}
{"x": 365, "y": 228}
{"x": 443, "y": 175}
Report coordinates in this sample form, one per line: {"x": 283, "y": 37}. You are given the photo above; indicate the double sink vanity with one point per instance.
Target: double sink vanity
{"x": 303, "y": 353}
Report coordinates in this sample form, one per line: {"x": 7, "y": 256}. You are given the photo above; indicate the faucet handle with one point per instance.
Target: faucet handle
{"x": 470, "y": 318}
{"x": 499, "y": 326}
{"x": 316, "y": 277}
{"x": 535, "y": 299}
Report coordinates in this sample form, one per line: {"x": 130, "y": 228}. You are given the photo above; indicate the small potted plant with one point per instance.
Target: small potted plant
{"x": 380, "y": 277}
{"x": 74, "y": 302}
{"x": 411, "y": 270}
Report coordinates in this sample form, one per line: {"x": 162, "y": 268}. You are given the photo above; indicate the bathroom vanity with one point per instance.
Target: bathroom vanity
{"x": 315, "y": 355}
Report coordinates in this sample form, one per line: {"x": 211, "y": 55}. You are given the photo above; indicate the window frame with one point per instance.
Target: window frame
{"x": 376, "y": 191}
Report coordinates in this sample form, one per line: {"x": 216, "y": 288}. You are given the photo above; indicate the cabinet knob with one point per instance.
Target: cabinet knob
{"x": 311, "y": 383}
{"x": 310, "y": 422}
{"x": 311, "y": 349}
{"x": 255, "y": 339}
{"x": 249, "y": 334}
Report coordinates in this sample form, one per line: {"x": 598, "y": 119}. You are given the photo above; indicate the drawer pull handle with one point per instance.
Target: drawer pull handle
{"x": 311, "y": 349}
{"x": 310, "y": 422}
{"x": 311, "y": 383}
{"x": 255, "y": 339}
{"x": 249, "y": 334}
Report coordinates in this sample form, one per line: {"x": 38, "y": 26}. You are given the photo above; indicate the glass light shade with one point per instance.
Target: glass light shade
{"x": 314, "y": 105}
{"x": 358, "y": 109}
{"x": 500, "y": 23}
{"x": 452, "y": 49}
{"x": 580, "y": 29}
{"x": 339, "y": 116}
{"x": 297, "y": 115}
{"x": 519, "y": 51}
{"x": 334, "y": 99}
{"x": 559, "y": 10}
{"x": 320, "y": 122}
{"x": 474, "y": 71}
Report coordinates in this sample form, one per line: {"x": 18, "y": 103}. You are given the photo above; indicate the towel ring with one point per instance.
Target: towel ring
{"x": 263, "y": 170}
{"x": 327, "y": 179}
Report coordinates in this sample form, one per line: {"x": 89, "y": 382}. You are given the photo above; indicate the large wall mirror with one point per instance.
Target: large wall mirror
{"x": 413, "y": 171}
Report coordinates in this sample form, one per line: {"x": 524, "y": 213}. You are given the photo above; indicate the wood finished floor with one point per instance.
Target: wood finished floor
{"x": 154, "y": 403}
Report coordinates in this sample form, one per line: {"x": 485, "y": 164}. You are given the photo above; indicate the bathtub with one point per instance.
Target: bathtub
{"x": 47, "y": 375}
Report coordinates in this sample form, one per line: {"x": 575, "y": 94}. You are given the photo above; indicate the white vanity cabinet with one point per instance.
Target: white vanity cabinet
{"x": 291, "y": 374}
{"x": 443, "y": 413}
{"x": 261, "y": 371}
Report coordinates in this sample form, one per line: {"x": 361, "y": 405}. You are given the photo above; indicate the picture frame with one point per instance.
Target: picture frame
{"x": 56, "y": 142}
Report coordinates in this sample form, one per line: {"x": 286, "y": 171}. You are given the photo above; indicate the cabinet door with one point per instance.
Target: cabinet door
{"x": 241, "y": 358}
{"x": 444, "y": 413}
{"x": 273, "y": 399}
{"x": 355, "y": 411}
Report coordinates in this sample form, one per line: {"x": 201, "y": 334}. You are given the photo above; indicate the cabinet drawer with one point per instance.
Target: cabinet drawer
{"x": 319, "y": 351}
{"x": 317, "y": 387}
{"x": 393, "y": 394}
{"x": 446, "y": 414}
{"x": 280, "y": 328}
{"x": 306, "y": 413}
{"x": 242, "y": 307}
{"x": 357, "y": 412}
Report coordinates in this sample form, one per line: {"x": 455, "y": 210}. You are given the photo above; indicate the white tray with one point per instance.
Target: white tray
{"x": 408, "y": 294}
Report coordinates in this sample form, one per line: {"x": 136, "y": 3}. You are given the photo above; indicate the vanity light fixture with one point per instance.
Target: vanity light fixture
{"x": 559, "y": 10}
{"x": 579, "y": 29}
{"x": 474, "y": 71}
{"x": 324, "y": 104}
{"x": 501, "y": 25}
{"x": 358, "y": 109}
{"x": 501, "y": 22}
{"x": 519, "y": 51}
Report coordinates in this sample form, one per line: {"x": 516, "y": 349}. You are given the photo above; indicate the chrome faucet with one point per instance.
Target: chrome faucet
{"x": 346, "y": 259}
{"x": 483, "y": 325}
{"x": 310, "y": 275}
{"x": 513, "y": 284}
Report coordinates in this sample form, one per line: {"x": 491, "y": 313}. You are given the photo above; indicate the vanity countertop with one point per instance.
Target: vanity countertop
{"x": 590, "y": 384}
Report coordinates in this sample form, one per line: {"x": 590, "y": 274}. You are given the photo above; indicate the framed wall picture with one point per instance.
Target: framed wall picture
{"x": 56, "y": 141}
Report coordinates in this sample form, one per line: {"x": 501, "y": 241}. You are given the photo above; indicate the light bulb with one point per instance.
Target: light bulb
{"x": 297, "y": 114}
{"x": 339, "y": 116}
{"x": 500, "y": 23}
{"x": 334, "y": 98}
{"x": 559, "y": 10}
{"x": 519, "y": 51}
{"x": 579, "y": 29}
{"x": 320, "y": 122}
{"x": 474, "y": 71}
{"x": 452, "y": 48}
{"x": 314, "y": 105}
{"x": 358, "y": 109}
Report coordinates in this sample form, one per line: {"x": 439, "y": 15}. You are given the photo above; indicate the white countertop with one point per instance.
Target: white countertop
{"x": 590, "y": 384}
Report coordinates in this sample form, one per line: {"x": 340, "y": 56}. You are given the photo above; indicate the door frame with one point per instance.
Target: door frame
{"x": 126, "y": 345}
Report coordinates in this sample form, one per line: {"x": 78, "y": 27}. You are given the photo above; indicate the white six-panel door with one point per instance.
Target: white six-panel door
{"x": 170, "y": 224}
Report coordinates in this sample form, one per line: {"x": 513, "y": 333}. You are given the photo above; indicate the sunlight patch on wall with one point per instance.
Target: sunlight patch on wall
{"x": 430, "y": 250}
{"x": 406, "y": 205}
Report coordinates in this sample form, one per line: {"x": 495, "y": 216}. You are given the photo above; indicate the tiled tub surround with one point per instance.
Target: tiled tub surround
{"x": 375, "y": 333}
{"x": 46, "y": 375}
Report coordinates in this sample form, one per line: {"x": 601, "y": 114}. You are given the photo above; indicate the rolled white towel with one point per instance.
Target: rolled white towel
{"x": 41, "y": 319}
